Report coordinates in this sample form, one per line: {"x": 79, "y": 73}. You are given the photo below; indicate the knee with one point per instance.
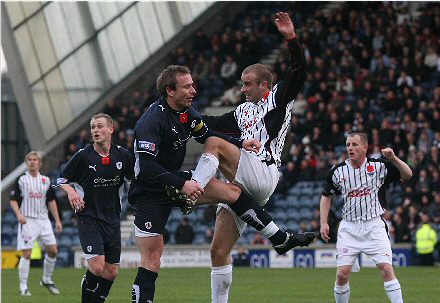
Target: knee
{"x": 52, "y": 252}
{"x": 97, "y": 268}
{"x": 151, "y": 262}
{"x": 27, "y": 254}
{"x": 342, "y": 276}
{"x": 213, "y": 144}
{"x": 387, "y": 271}
{"x": 218, "y": 255}
{"x": 232, "y": 194}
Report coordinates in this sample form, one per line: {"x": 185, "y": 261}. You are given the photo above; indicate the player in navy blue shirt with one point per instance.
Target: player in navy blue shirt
{"x": 161, "y": 135}
{"x": 92, "y": 180}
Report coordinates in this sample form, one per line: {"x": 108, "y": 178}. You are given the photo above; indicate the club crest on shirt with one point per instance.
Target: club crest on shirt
{"x": 370, "y": 169}
{"x": 89, "y": 248}
{"x": 118, "y": 165}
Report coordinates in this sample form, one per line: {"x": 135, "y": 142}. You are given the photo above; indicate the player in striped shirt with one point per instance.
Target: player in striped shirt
{"x": 30, "y": 200}
{"x": 264, "y": 116}
{"x": 362, "y": 182}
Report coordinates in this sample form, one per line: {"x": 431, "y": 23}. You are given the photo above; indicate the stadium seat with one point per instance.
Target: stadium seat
{"x": 6, "y": 239}
{"x": 9, "y": 217}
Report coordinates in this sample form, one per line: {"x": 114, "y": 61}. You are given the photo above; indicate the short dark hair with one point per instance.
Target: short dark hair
{"x": 105, "y": 116}
{"x": 262, "y": 72}
{"x": 167, "y": 78}
{"x": 363, "y": 136}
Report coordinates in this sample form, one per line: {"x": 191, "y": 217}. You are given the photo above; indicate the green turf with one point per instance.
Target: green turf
{"x": 250, "y": 285}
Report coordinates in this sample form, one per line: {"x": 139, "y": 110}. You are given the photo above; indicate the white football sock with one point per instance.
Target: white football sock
{"x": 394, "y": 291}
{"x": 270, "y": 230}
{"x": 206, "y": 169}
{"x": 342, "y": 293}
{"x": 23, "y": 272}
{"x": 48, "y": 266}
{"x": 221, "y": 279}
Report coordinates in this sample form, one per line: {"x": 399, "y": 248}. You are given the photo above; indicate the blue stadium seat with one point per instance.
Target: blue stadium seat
{"x": 65, "y": 241}
{"x": 199, "y": 239}
{"x": 70, "y": 231}
{"x": 9, "y": 217}
{"x": 6, "y": 239}
{"x": 7, "y": 228}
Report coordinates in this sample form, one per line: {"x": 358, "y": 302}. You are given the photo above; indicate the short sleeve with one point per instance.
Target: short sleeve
{"x": 128, "y": 163}
{"x": 70, "y": 172}
{"x": 50, "y": 195}
{"x": 393, "y": 174}
{"x": 16, "y": 191}
{"x": 330, "y": 187}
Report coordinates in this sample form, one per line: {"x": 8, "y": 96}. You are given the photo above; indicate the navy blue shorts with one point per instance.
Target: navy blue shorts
{"x": 100, "y": 238}
{"x": 151, "y": 211}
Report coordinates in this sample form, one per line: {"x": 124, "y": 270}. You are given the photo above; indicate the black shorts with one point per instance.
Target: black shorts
{"x": 151, "y": 211}
{"x": 152, "y": 215}
{"x": 100, "y": 238}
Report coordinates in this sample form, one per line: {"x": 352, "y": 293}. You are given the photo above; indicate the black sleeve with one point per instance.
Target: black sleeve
{"x": 330, "y": 187}
{"x": 16, "y": 192}
{"x": 129, "y": 163}
{"x": 150, "y": 170}
{"x": 295, "y": 77}
{"x": 72, "y": 170}
{"x": 393, "y": 174}
{"x": 201, "y": 132}
{"x": 50, "y": 195}
{"x": 226, "y": 124}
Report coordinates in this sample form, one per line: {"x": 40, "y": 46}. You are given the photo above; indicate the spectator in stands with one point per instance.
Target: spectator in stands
{"x": 259, "y": 240}
{"x": 112, "y": 109}
{"x": 31, "y": 198}
{"x": 184, "y": 233}
{"x": 426, "y": 241}
{"x": 241, "y": 259}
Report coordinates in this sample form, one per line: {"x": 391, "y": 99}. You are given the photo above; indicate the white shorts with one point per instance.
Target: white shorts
{"x": 35, "y": 229}
{"x": 369, "y": 237}
{"x": 257, "y": 179}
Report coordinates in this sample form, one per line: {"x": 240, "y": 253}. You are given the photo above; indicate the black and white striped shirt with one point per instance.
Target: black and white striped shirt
{"x": 32, "y": 195}
{"x": 254, "y": 121}
{"x": 269, "y": 119}
{"x": 363, "y": 189}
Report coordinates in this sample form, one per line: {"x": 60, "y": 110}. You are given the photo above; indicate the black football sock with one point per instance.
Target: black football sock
{"x": 89, "y": 286}
{"x": 144, "y": 286}
{"x": 254, "y": 215}
{"x": 103, "y": 290}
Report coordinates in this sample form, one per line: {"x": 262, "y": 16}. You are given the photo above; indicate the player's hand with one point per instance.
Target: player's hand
{"x": 192, "y": 189}
{"x": 76, "y": 202}
{"x": 285, "y": 25}
{"x": 58, "y": 227}
{"x": 388, "y": 153}
{"x": 251, "y": 145}
{"x": 21, "y": 219}
{"x": 324, "y": 232}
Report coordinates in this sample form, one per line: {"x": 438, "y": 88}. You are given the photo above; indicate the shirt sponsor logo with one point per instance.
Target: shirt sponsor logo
{"x": 61, "y": 181}
{"x": 359, "y": 193}
{"x": 36, "y": 195}
{"x": 147, "y": 145}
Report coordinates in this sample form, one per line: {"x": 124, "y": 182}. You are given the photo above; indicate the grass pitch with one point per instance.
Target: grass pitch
{"x": 295, "y": 285}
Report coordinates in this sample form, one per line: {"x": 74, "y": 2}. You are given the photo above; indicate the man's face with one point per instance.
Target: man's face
{"x": 184, "y": 93}
{"x": 33, "y": 163}
{"x": 100, "y": 130}
{"x": 251, "y": 88}
{"x": 355, "y": 148}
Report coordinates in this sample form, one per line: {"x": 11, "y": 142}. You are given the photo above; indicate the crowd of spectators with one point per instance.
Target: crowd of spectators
{"x": 372, "y": 67}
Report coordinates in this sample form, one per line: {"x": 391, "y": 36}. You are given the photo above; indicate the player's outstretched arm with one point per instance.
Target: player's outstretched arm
{"x": 285, "y": 25}
{"x": 404, "y": 169}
